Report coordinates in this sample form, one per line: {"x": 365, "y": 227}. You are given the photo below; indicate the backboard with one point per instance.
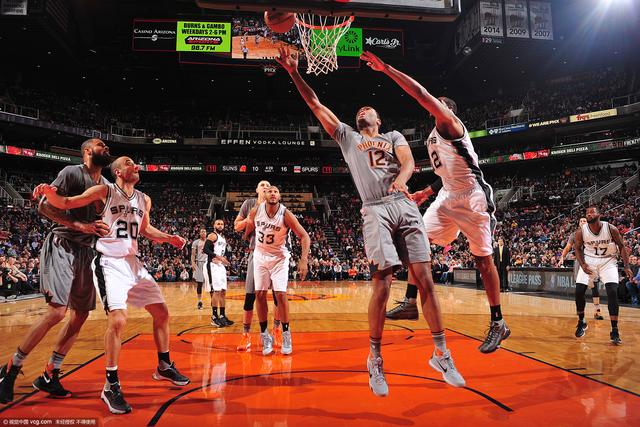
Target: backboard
{"x": 419, "y": 10}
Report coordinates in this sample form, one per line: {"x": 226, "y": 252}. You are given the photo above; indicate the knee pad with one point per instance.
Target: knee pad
{"x": 249, "y": 300}
{"x": 595, "y": 292}
{"x": 612, "y": 298}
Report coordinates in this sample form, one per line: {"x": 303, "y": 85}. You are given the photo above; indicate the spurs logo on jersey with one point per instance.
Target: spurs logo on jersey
{"x": 272, "y": 235}
{"x": 123, "y": 215}
{"x": 601, "y": 245}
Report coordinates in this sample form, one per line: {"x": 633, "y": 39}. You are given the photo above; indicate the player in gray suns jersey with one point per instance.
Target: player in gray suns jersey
{"x": 66, "y": 276}
{"x": 465, "y": 200}
{"x": 393, "y": 230}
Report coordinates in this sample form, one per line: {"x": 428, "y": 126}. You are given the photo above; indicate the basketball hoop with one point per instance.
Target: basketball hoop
{"x": 319, "y": 36}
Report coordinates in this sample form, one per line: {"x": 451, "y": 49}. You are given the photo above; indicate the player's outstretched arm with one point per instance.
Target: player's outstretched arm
{"x": 421, "y": 196}
{"x": 155, "y": 235}
{"x": 444, "y": 116}
{"x": 617, "y": 238}
{"x": 305, "y": 241}
{"x": 326, "y": 117}
{"x": 91, "y": 195}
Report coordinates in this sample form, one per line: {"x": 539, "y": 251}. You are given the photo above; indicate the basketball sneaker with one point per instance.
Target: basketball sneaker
{"x": 7, "y": 380}
{"x": 403, "y": 311}
{"x": 114, "y": 399}
{"x": 199, "y": 305}
{"x": 225, "y": 321}
{"x": 615, "y": 336}
{"x": 598, "y": 315}
{"x": 267, "y": 343}
{"x": 277, "y": 336}
{"x": 170, "y": 374}
{"x": 51, "y": 384}
{"x": 377, "y": 381}
{"x": 498, "y": 332}
{"x": 287, "y": 346}
{"x": 581, "y": 328}
{"x": 215, "y": 321}
{"x": 245, "y": 343}
{"x": 444, "y": 365}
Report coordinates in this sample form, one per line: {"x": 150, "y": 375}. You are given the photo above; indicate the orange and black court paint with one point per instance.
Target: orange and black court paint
{"x": 325, "y": 382}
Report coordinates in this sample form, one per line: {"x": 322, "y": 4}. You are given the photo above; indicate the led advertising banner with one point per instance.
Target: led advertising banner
{"x": 203, "y": 37}
{"x": 154, "y": 35}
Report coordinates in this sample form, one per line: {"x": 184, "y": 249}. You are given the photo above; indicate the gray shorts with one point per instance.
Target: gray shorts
{"x": 250, "y": 284}
{"x": 394, "y": 233}
{"x": 66, "y": 277}
{"x": 198, "y": 274}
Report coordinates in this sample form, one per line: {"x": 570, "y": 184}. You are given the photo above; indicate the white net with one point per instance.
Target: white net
{"x": 319, "y": 36}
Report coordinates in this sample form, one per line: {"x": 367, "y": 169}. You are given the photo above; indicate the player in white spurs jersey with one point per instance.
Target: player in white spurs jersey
{"x": 215, "y": 274}
{"x": 465, "y": 200}
{"x": 595, "y": 293}
{"x": 119, "y": 276}
{"x": 239, "y": 225}
{"x": 598, "y": 244}
{"x": 272, "y": 221}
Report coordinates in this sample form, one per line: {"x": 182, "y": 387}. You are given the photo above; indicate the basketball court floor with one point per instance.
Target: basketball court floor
{"x": 543, "y": 375}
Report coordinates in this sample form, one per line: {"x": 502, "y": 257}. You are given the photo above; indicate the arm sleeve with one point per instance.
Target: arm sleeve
{"x": 208, "y": 248}
{"x": 341, "y": 132}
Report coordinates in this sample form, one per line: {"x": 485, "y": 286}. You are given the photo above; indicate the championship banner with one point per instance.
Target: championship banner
{"x": 467, "y": 28}
{"x": 541, "y": 20}
{"x": 386, "y": 43}
{"x": 593, "y": 115}
{"x": 491, "y": 18}
{"x": 203, "y": 37}
{"x": 154, "y": 35}
{"x": 517, "y": 17}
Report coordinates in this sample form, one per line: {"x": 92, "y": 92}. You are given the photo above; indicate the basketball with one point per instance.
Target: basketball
{"x": 279, "y": 22}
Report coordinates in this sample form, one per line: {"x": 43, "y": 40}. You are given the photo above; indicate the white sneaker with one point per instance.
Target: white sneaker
{"x": 267, "y": 343}
{"x": 287, "y": 346}
{"x": 444, "y": 365}
{"x": 377, "y": 381}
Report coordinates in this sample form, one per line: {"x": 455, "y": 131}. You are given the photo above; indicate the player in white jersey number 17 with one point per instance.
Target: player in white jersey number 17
{"x": 598, "y": 244}
{"x": 119, "y": 275}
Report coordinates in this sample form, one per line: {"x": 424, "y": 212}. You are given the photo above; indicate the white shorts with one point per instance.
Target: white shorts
{"x": 468, "y": 212}
{"x": 215, "y": 277}
{"x": 604, "y": 268}
{"x": 270, "y": 270}
{"x": 198, "y": 272}
{"x": 122, "y": 281}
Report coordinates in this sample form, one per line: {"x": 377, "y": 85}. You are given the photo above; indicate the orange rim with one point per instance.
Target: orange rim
{"x": 324, "y": 28}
